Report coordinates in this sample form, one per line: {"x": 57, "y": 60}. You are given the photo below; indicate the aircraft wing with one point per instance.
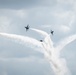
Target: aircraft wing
{"x": 65, "y": 42}
{"x": 31, "y": 42}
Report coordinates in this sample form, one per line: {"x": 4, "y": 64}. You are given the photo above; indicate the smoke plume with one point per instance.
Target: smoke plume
{"x": 51, "y": 53}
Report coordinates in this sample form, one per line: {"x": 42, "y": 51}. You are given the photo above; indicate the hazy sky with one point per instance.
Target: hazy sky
{"x": 58, "y": 15}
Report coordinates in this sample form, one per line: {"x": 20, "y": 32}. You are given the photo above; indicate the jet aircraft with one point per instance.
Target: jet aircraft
{"x": 27, "y": 27}
{"x": 41, "y": 40}
{"x": 52, "y": 32}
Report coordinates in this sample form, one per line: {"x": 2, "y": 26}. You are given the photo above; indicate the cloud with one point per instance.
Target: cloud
{"x": 4, "y": 23}
{"x": 58, "y": 15}
{"x": 72, "y": 21}
{"x": 61, "y": 14}
{"x": 21, "y": 13}
{"x": 18, "y": 4}
{"x": 66, "y": 1}
{"x": 64, "y": 28}
{"x": 24, "y": 59}
{"x": 46, "y": 26}
{"x": 24, "y": 66}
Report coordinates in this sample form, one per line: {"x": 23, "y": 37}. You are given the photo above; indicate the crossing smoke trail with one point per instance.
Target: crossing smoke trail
{"x": 58, "y": 64}
{"x": 46, "y": 36}
{"x": 51, "y": 53}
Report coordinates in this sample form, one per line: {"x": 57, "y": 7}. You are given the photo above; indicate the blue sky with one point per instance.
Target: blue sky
{"x": 58, "y": 15}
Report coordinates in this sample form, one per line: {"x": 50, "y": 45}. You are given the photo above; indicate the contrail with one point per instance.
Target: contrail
{"x": 46, "y": 36}
{"x": 25, "y": 40}
{"x": 51, "y": 53}
{"x": 58, "y": 64}
{"x": 65, "y": 41}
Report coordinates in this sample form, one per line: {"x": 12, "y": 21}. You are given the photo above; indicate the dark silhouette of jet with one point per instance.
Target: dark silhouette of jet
{"x": 27, "y": 27}
{"x": 52, "y": 32}
{"x": 41, "y": 40}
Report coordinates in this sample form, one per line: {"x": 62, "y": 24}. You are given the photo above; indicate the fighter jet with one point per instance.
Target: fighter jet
{"x": 52, "y": 32}
{"x": 27, "y": 27}
{"x": 41, "y": 40}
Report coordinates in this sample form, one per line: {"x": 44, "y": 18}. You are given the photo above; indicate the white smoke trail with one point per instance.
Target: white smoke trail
{"x": 46, "y": 36}
{"x": 47, "y": 44}
{"x": 65, "y": 41}
{"x": 43, "y": 33}
{"x": 23, "y": 40}
{"x": 51, "y": 54}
